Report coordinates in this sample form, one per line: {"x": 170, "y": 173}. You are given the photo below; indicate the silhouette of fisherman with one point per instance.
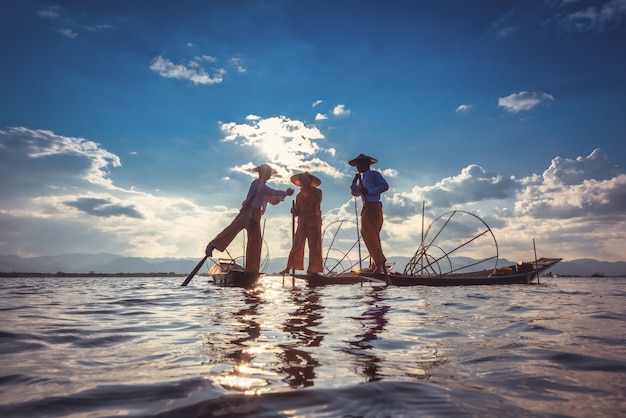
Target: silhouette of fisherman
{"x": 369, "y": 184}
{"x": 249, "y": 218}
{"x": 308, "y": 210}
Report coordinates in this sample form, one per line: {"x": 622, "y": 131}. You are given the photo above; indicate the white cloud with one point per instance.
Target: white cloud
{"x": 595, "y": 166}
{"x": 290, "y": 145}
{"x": 389, "y": 172}
{"x": 464, "y": 108}
{"x": 523, "y": 101}
{"x": 58, "y": 197}
{"x": 583, "y": 187}
{"x": 321, "y": 116}
{"x": 315, "y": 103}
{"x": 193, "y": 72}
{"x": 472, "y": 185}
{"x": 340, "y": 110}
{"x": 70, "y": 157}
{"x": 576, "y": 209}
{"x": 238, "y": 64}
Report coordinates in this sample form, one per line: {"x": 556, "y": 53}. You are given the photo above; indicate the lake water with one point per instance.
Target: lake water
{"x": 94, "y": 347}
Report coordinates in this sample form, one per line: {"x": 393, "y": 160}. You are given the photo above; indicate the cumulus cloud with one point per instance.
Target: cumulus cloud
{"x": 321, "y": 116}
{"x": 57, "y": 194}
{"x": 523, "y": 101}
{"x": 290, "y": 145}
{"x": 595, "y": 166}
{"x": 340, "y": 110}
{"x": 42, "y": 157}
{"x": 472, "y": 185}
{"x": 193, "y": 71}
{"x": 575, "y": 188}
{"x": 573, "y": 204}
{"x": 389, "y": 172}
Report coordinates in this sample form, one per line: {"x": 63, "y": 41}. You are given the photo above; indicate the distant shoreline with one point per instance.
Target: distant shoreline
{"x": 161, "y": 274}
{"x": 62, "y": 274}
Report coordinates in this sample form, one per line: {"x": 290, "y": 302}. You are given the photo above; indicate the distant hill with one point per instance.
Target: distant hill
{"x": 97, "y": 263}
{"x": 105, "y": 263}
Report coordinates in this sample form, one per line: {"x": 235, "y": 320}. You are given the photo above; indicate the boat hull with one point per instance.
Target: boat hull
{"x": 236, "y": 278}
{"x": 325, "y": 280}
{"x": 228, "y": 273}
{"x": 503, "y": 276}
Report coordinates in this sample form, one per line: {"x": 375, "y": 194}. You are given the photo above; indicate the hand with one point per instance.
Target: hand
{"x": 289, "y": 191}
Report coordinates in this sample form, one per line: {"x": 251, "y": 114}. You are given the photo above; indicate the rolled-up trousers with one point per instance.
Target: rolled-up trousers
{"x": 249, "y": 219}
{"x": 371, "y": 225}
{"x": 312, "y": 234}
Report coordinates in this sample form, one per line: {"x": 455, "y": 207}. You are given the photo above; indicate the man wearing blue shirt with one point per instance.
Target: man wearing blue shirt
{"x": 369, "y": 184}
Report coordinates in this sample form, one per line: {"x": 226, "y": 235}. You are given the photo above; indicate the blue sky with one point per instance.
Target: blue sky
{"x": 131, "y": 126}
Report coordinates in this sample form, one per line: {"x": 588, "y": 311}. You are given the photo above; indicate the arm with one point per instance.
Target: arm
{"x": 376, "y": 183}
{"x": 273, "y": 196}
{"x": 355, "y": 187}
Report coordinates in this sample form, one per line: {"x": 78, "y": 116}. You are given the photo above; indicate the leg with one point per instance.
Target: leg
{"x": 371, "y": 225}
{"x": 224, "y": 238}
{"x": 296, "y": 255}
{"x": 254, "y": 246}
{"x": 314, "y": 237}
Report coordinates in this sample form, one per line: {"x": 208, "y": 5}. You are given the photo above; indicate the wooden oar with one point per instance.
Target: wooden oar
{"x": 193, "y": 273}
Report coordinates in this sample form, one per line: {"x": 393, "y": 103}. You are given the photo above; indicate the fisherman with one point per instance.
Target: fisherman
{"x": 369, "y": 184}
{"x": 308, "y": 210}
{"x": 249, "y": 218}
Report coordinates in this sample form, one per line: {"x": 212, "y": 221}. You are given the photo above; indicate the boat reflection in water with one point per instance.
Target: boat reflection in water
{"x": 239, "y": 351}
{"x": 298, "y": 363}
{"x": 373, "y": 322}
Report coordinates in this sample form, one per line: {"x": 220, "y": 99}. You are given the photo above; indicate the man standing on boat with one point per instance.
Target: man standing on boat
{"x": 308, "y": 210}
{"x": 249, "y": 218}
{"x": 369, "y": 185}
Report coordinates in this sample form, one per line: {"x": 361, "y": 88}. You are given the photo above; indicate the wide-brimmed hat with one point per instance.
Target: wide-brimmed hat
{"x": 297, "y": 179}
{"x": 362, "y": 158}
{"x": 264, "y": 167}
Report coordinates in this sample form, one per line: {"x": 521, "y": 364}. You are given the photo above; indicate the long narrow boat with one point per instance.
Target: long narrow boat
{"x": 228, "y": 273}
{"x": 521, "y": 273}
{"x": 330, "y": 279}
{"x": 325, "y": 279}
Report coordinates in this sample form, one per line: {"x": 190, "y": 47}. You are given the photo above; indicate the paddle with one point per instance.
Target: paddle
{"x": 193, "y": 273}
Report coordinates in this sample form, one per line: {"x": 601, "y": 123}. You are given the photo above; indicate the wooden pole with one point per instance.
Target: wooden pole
{"x": 195, "y": 270}
{"x": 536, "y": 263}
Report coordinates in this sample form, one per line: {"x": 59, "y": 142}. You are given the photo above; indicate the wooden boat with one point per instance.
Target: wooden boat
{"x": 226, "y": 272}
{"x": 329, "y": 279}
{"x": 521, "y": 273}
{"x": 325, "y": 279}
